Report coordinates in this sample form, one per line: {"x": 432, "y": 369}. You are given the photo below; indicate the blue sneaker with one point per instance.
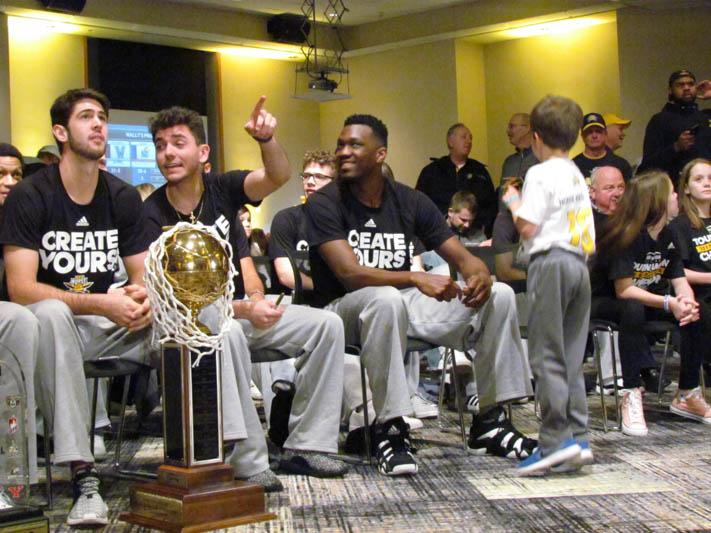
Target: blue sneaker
{"x": 536, "y": 464}
{"x": 585, "y": 458}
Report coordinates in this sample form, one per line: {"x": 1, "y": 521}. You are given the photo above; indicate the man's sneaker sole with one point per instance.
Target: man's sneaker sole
{"x": 401, "y": 470}
{"x": 544, "y": 464}
{"x": 689, "y": 415}
{"x": 88, "y": 521}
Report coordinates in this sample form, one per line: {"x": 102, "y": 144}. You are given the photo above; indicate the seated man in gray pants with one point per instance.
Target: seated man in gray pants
{"x": 64, "y": 230}
{"x": 359, "y": 232}
{"x": 312, "y": 337}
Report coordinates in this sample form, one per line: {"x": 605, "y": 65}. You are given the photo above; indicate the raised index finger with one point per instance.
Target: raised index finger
{"x": 258, "y": 108}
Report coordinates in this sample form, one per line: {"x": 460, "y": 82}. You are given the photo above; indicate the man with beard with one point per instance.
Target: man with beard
{"x": 65, "y": 228}
{"x": 680, "y": 132}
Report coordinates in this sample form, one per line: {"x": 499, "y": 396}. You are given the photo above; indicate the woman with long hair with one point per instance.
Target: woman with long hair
{"x": 636, "y": 269}
{"x": 692, "y": 238}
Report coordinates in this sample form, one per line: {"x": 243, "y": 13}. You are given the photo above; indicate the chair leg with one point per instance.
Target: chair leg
{"x": 119, "y": 437}
{"x": 458, "y": 400}
{"x": 598, "y": 364}
{"x": 366, "y": 417}
{"x": 442, "y": 383}
{"x": 615, "y": 391}
{"x": 48, "y": 466}
{"x": 702, "y": 381}
{"x": 667, "y": 342}
{"x": 93, "y": 414}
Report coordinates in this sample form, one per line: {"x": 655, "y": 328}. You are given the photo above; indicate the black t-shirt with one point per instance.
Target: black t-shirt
{"x": 78, "y": 245}
{"x": 586, "y": 165}
{"x": 505, "y": 237}
{"x": 694, "y": 247}
{"x": 223, "y": 196}
{"x": 650, "y": 264}
{"x": 380, "y": 237}
{"x": 289, "y": 234}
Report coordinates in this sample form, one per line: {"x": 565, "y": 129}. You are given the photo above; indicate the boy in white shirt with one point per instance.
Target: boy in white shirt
{"x": 554, "y": 218}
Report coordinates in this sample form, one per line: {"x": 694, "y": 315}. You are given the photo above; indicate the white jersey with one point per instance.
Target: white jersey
{"x": 556, "y": 199}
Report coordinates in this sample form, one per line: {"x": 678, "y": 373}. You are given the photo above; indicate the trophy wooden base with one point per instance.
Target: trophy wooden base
{"x": 196, "y": 499}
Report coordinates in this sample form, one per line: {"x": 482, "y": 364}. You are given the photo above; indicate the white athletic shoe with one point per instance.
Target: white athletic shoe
{"x": 357, "y": 420}
{"x": 255, "y": 392}
{"x": 89, "y": 508}
{"x": 423, "y": 407}
{"x": 632, "y": 411}
{"x": 100, "y": 452}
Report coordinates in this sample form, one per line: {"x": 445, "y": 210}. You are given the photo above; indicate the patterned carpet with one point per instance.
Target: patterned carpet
{"x": 658, "y": 483}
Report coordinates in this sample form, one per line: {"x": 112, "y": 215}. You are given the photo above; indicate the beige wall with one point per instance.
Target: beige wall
{"x": 242, "y": 82}
{"x": 652, "y": 46}
{"x": 412, "y": 90}
{"x": 41, "y": 68}
{"x": 582, "y": 66}
{"x": 471, "y": 95}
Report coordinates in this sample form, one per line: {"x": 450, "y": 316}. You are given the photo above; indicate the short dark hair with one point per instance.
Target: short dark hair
{"x": 557, "y": 121}
{"x": 8, "y": 150}
{"x": 380, "y": 130}
{"x": 178, "y": 116}
{"x": 63, "y": 106}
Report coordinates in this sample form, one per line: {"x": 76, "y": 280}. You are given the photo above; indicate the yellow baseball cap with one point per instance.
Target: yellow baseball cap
{"x": 611, "y": 118}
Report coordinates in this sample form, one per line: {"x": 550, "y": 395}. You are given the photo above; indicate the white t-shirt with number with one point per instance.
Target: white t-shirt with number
{"x": 555, "y": 198}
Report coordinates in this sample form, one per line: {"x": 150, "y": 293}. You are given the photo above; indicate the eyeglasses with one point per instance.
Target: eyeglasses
{"x": 319, "y": 178}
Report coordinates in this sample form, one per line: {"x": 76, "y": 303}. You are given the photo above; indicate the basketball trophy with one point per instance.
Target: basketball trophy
{"x": 16, "y": 513}
{"x": 187, "y": 268}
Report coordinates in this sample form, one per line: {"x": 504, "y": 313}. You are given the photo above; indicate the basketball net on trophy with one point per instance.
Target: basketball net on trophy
{"x": 187, "y": 268}
{"x": 172, "y": 319}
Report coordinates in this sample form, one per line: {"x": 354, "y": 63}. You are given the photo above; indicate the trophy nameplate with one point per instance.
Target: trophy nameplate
{"x": 197, "y": 408}
{"x": 195, "y": 490}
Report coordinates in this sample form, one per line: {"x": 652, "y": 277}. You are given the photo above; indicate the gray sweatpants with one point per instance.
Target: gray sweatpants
{"x": 559, "y": 292}
{"x": 66, "y": 340}
{"x": 381, "y": 318}
{"x": 314, "y": 338}
{"x": 19, "y": 332}
{"x": 250, "y": 455}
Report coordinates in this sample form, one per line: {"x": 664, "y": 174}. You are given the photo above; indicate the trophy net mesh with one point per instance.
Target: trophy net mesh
{"x": 173, "y": 320}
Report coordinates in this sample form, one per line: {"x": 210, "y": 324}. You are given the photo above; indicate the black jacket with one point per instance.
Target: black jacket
{"x": 664, "y": 129}
{"x": 440, "y": 180}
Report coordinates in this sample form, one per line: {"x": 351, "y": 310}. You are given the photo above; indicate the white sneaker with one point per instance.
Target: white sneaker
{"x": 608, "y": 389}
{"x": 413, "y": 423}
{"x": 100, "y": 452}
{"x": 255, "y": 392}
{"x": 423, "y": 407}
{"x": 633, "y": 422}
{"x": 357, "y": 419}
{"x": 89, "y": 508}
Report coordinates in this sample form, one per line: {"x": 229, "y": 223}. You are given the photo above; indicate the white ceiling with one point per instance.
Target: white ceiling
{"x": 359, "y": 11}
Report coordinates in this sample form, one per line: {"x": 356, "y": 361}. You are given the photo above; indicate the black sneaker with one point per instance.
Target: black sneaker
{"x": 499, "y": 437}
{"x": 392, "y": 448}
{"x": 279, "y": 415}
